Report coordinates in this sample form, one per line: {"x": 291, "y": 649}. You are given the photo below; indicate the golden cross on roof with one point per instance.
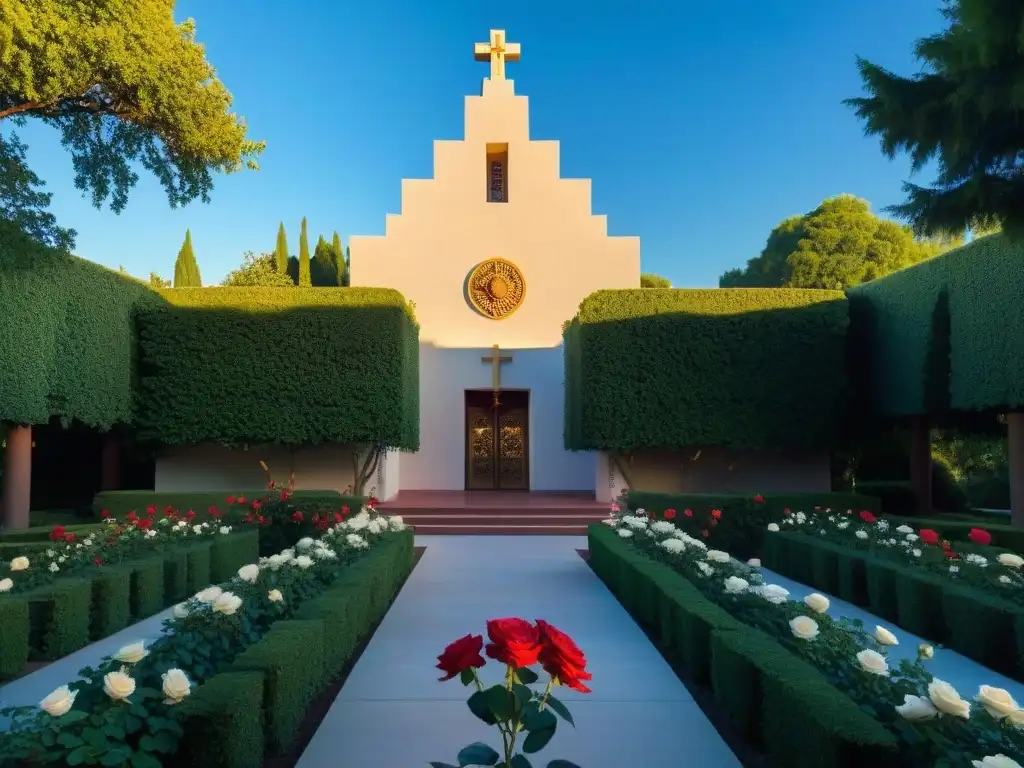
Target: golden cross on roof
{"x": 497, "y": 51}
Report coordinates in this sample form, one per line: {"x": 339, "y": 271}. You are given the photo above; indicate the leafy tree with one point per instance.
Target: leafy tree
{"x": 648, "y": 280}
{"x": 258, "y": 271}
{"x": 21, "y": 201}
{"x": 323, "y": 271}
{"x": 186, "y": 270}
{"x": 339, "y": 260}
{"x": 838, "y": 244}
{"x": 124, "y": 84}
{"x": 155, "y": 281}
{"x": 964, "y": 110}
{"x": 281, "y": 250}
{"x": 304, "y": 271}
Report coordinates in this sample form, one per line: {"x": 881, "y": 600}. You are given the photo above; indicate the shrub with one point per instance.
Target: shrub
{"x": 111, "y": 600}
{"x": 147, "y": 588}
{"x": 120, "y": 503}
{"x": 224, "y": 722}
{"x": 231, "y": 551}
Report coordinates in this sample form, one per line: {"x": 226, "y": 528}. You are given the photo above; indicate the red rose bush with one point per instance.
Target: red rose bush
{"x": 512, "y": 705}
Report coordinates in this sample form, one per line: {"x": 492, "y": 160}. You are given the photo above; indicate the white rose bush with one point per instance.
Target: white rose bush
{"x": 936, "y": 724}
{"x": 122, "y": 712}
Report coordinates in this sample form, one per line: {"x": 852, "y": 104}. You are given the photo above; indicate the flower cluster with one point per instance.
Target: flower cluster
{"x": 118, "y": 713}
{"x": 513, "y": 706}
{"x": 928, "y": 714}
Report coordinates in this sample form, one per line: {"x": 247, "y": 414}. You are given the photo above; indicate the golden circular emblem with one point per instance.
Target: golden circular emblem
{"x": 496, "y": 288}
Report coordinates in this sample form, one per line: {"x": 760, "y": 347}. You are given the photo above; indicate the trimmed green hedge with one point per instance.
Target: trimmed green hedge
{"x": 778, "y": 701}
{"x": 67, "y": 337}
{"x": 740, "y": 530}
{"x": 53, "y": 621}
{"x": 967, "y": 620}
{"x": 230, "y": 386}
{"x": 327, "y": 629}
{"x": 120, "y": 503}
{"x": 748, "y": 369}
{"x": 1003, "y": 535}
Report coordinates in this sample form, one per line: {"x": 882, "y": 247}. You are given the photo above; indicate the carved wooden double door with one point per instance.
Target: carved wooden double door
{"x": 497, "y": 440}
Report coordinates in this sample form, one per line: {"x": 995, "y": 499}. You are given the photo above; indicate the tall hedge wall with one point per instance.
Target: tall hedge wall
{"x": 67, "y": 336}
{"x": 746, "y": 369}
{"x": 284, "y": 365}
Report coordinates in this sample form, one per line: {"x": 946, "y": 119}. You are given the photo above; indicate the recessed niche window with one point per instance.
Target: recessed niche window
{"x": 497, "y": 173}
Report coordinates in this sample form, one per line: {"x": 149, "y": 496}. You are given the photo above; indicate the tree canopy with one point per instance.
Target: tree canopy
{"x": 123, "y": 84}
{"x": 964, "y": 110}
{"x": 838, "y": 244}
{"x": 650, "y": 280}
{"x": 258, "y": 271}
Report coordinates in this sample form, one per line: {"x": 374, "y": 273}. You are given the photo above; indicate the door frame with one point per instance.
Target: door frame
{"x": 466, "y": 439}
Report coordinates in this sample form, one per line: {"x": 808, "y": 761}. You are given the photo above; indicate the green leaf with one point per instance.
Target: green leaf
{"x": 79, "y": 755}
{"x": 521, "y": 696}
{"x": 47, "y": 738}
{"x": 500, "y": 701}
{"x": 466, "y": 677}
{"x": 560, "y": 709}
{"x": 537, "y": 719}
{"x": 562, "y": 764}
{"x": 74, "y": 716}
{"x": 479, "y": 707}
{"x": 145, "y": 760}
{"x": 436, "y": 764}
{"x": 95, "y": 738}
{"x": 478, "y": 754}
{"x": 535, "y": 741}
{"x": 69, "y": 739}
{"x": 527, "y": 677}
{"x": 520, "y": 761}
{"x": 116, "y": 756}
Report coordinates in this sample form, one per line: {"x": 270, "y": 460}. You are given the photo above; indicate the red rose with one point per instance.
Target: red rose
{"x": 759, "y": 499}
{"x": 285, "y": 495}
{"x": 561, "y": 657}
{"x": 57, "y": 533}
{"x": 297, "y": 516}
{"x": 461, "y": 655}
{"x": 928, "y": 536}
{"x": 716, "y": 514}
{"x": 338, "y": 518}
{"x": 145, "y": 523}
{"x": 97, "y": 561}
{"x": 372, "y": 502}
{"x": 867, "y": 517}
{"x": 131, "y": 516}
{"x": 817, "y": 509}
{"x": 214, "y": 512}
{"x": 688, "y": 512}
{"x": 257, "y": 504}
{"x": 786, "y": 512}
{"x": 241, "y": 499}
{"x": 344, "y": 509}
{"x": 945, "y": 544}
{"x": 950, "y": 554}
{"x": 978, "y": 536}
{"x": 670, "y": 514}
{"x": 190, "y": 514}
{"x": 513, "y": 641}
{"x": 104, "y": 514}
{"x": 69, "y": 537}
{"x": 230, "y": 499}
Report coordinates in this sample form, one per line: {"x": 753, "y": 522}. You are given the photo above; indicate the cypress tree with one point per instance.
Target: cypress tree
{"x": 304, "y": 272}
{"x": 281, "y": 251}
{"x": 324, "y": 273}
{"x": 339, "y": 259}
{"x": 348, "y": 266}
{"x": 186, "y": 270}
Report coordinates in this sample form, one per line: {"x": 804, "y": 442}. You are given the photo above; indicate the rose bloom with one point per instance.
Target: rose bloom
{"x": 513, "y": 641}
{"x": 561, "y": 657}
{"x": 461, "y": 655}
{"x": 928, "y": 536}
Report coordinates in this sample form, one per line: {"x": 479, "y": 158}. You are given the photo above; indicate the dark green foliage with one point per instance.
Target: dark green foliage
{"x": 231, "y": 386}
{"x": 919, "y": 605}
{"x": 147, "y": 588}
{"x": 65, "y": 611}
{"x": 323, "y": 271}
{"x": 984, "y": 628}
{"x": 231, "y": 551}
{"x": 223, "y": 726}
{"x": 281, "y": 250}
{"x": 304, "y": 280}
{"x": 1004, "y": 536}
{"x": 649, "y": 280}
{"x": 66, "y": 336}
{"x": 771, "y": 363}
{"x": 14, "y": 640}
{"x": 176, "y": 576}
{"x": 198, "y": 570}
{"x": 111, "y": 601}
{"x": 120, "y": 503}
{"x": 340, "y": 263}
{"x": 186, "y": 269}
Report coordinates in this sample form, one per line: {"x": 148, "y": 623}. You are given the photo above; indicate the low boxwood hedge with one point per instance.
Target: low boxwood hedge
{"x": 777, "y": 700}
{"x": 120, "y": 503}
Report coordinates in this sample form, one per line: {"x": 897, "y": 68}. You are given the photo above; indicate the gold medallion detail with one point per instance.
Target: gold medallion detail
{"x": 496, "y": 288}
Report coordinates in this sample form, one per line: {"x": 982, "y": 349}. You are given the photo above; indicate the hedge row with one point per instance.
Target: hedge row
{"x": 747, "y": 369}
{"x": 53, "y": 621}
{"x": 971, "y": 622}
{"x": 780, "y": 703}
{"x": 289, "y": 666}
{"x": 245, "y": 383}
{"x": 120, "y": 503}
{"x": 741, "y": 528}
{"x": 1007, "y": 536}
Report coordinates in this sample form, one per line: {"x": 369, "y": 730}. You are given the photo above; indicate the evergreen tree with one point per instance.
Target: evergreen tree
{"x": 348, "y": 266}
{"x": 339, "y": 260}
{"x": 323, "y": 273}
{"x": 304, "y": 271}
{"x": 281, "y": 251}
{"x": 186, "y": 270}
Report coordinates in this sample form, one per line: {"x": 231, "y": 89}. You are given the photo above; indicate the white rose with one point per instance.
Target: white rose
{"x": 1010, "y": 560}
{"x": 624, "y": 532}
{"x": 773, "y": 593}
{"x": 54, "y": 567}
{"x": 1016, "y": 718}
{"x": 905, "y": 529}
{"x": 303, "y": 561}
{"x": 861, "y": 534}
{"x": 885, "y": 637}
{"x": 947, "y": 700}
{"x": 916, "y": 708}
{"x": 6, "y": 585}
{"x": 286, "y": 555}
{"x": 118, "y": 685}
{"x": 995, "y": 761}
{"x": 735, "y": 585}
{"x": 180, "y": 611}
{"x": 996, "y": 701}
{"x": 209, "y": 594}
{"x": 176, "y": 686}
{"x": 706, "y": 569}
{"x": 227, "y": 603}
{"x": 873, "y": 662}
{"x": 355, "y": 540}
{"x": 132, "y": 653}
{"x": 817, "y": 603}
{"x": 275, "y": 596}
{"x": 773, "y": 527}
{"x": 718, "y": 556}
{"x": 304, "y": 543}
{"x": 19, "y": 564}
{"x": 197, "y": 528}
{"x": 754, "y": 562}
{"x": 59, "y": 702}
{"x": 804, "y": 628}
{"x": 396, "y": 522}
{"x": 275, "y": 562}
{"x": 249, "y": 573}
{"x": 674, "y": 546}
{"x": 912, "y": 537}
{"x": 925, "y": 651}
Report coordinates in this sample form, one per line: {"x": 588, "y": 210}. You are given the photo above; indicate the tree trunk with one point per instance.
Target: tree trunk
{"x": 110, "y": 472}
{"x": 921, "y": 464}
{"x": 17, "y": 477}
{"x": 1015, "y": 440}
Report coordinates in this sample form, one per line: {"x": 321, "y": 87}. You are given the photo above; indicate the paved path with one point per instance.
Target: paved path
{"x": 962, "y": 673}
{"x": 393, "y": 712}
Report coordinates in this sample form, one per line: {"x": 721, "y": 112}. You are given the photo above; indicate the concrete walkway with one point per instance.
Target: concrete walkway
{"x": 393, "y": 711}
{"x": 962, "y": 673}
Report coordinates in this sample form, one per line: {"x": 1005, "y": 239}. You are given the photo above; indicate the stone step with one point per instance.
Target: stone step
{"x": 474, "y": 529}
{"x": 510, "y": 519}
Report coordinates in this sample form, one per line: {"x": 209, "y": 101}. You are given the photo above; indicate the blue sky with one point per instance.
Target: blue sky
{"x": 702, "y": 124}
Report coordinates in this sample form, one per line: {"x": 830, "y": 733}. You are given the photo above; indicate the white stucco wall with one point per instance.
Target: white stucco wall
{"x": 446, "y": 374}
